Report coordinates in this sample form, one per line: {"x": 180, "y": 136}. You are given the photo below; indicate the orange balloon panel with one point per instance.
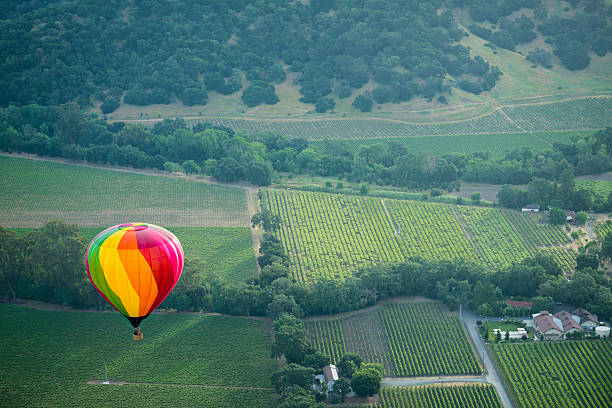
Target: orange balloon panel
{"x": 134, "y": 267}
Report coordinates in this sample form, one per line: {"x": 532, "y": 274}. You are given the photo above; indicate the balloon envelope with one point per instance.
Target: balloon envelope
{"x": 134, "y": 267}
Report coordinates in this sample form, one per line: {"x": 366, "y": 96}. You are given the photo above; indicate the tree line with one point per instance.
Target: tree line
{"x": 47, "y": 264}
{"x": 203, "y": 148}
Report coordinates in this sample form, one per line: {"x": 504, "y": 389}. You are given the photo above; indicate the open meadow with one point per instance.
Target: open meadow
{"x": 332, "y": 235}
{"x": 563, "y": 374}
{"x": 35, "y": 191}
{"x": 400, "y": 337}
{"x": 188, "y": 359}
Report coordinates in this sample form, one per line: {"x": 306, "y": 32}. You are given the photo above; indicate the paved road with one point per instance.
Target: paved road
{"x": 469, "y": 319}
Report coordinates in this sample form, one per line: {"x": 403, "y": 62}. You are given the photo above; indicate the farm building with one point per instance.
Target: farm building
{"x": 587, "y": 319}
{"x": 330, "y": 374}
{"x": 513, "y": 334}
{"x": 519, "y": 304}
{"x": 570, "y": 216}
{"x": 531, "y": 208}
{"x": 570, "y": 323}
{"x": 602, "y": 331}
{"x": 547, "y": 326}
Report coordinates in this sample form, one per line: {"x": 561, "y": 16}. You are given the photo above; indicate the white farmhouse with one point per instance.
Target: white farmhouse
{"x": 330, "y": 373}
{"x": 531, "y": 208}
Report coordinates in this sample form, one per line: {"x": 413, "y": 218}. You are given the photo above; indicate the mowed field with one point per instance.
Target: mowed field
{"x": 332, "y": 235}
{"x": 564, "y": 374}
{"x": 572, "y": 114}
{"x": 35, "y": 191}
{"x": 400, "y": 337}
{"x": 211, "y": 221}
{"x": 439, "y": 396}
{"x": 188, "y": 360}
{"x": 226, "y": 251}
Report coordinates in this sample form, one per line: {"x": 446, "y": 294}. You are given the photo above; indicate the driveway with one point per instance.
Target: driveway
{"x": 469, "y": 319}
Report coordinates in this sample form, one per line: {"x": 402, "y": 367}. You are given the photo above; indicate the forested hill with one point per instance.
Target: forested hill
{"x": 157, "y": 51}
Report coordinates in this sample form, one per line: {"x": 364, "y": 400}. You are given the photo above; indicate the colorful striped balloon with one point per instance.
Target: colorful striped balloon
{"x": 134, "y": 267}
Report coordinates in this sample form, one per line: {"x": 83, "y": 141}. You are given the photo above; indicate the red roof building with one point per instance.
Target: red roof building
{"x": 519, "y": 304}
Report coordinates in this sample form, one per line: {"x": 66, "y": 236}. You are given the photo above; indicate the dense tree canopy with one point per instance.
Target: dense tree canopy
{"x": 157, "y": 51}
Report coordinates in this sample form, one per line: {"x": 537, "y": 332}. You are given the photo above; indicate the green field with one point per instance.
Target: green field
{"x": 48, "y": 358}
{"x": 456, "y": 396}
{"x": 33, "y": 191}
{"x": 601, "y": 187}
{"x": 575, "y": 114}
{"x": 564, "y": 374}
{"x": 400, "y": 337}
{"x": 226, "y": 251}
{"x": 332, "y": 235}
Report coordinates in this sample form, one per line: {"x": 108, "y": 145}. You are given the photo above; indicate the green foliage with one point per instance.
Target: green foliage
{"x": 557, "y": 216}
{"x": 177, "y": 350}
{"x": 342, "y": 387}
{"x": 349, "y": 363}
{"x": 579, "y": 367}
{"x": 259, "y": 93}
{"x": 290, "y": 339}
{"x": 363, "y": 102}
{"x": 292, "y": 374}
{"x": 366, "y": 382}
{"x": 194, "y": 96}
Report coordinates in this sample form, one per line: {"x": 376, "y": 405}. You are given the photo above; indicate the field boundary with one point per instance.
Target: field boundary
{"x": 232, "y": 387}
{"x": 304, "y": 117}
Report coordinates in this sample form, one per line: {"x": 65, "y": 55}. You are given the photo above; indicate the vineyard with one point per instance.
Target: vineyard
{"x": 604, "y": 228}
{"x": 455, "y": 396}
{"x": 33, "y": 191}
{"x": 332, "y": 235}
{"x": 408, "y": 339}
{"x": 600, "y": 187}
{"x": 585, "y": 113}
{"x": 588, "y": 113}
{"x": 565, "y": 374}
{"x": 497, "y": 144}
{"x": 73, "y": 347}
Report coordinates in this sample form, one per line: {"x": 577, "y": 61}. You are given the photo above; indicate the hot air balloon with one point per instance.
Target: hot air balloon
{"x": 134, "y": 267}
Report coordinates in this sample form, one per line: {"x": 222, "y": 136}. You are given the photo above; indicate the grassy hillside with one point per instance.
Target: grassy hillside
{"x": 32, "y": 192}
{"x": 48, "y": 358}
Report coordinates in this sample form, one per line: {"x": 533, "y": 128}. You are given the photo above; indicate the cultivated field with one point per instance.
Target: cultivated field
{"x": 33, "y": 191}
{"x": 574, "y": 114}
{"x": 601, "y": 187}
{"x": 332, "y": 235}
{"x": 498, "y": 144}
{"x": 48, "y": 358}
{"x": 564, "y": 374}
{"x": 456, "y": 396}
{"x": 400, "y": 337}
